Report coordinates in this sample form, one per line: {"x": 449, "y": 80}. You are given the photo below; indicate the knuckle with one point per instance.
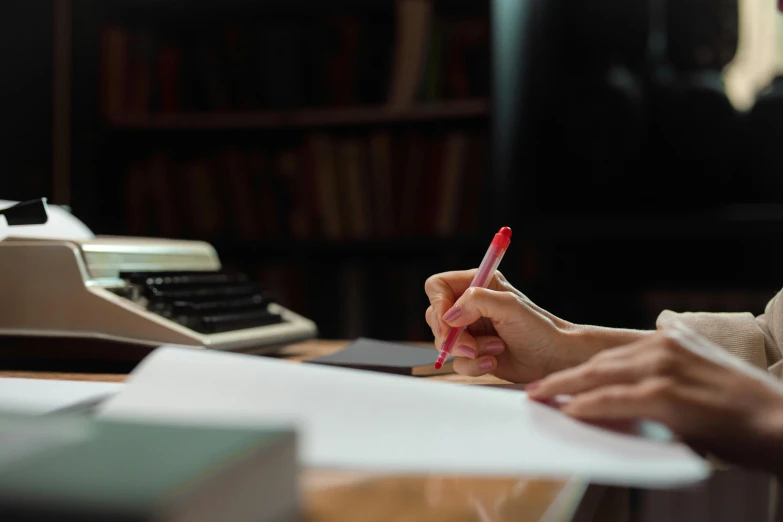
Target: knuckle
{"x": 657, "y": 388}
{"x": 509, "y": 299}
{"x": 472, "y": 293}
{"x": 610, "y": 396}
{"x": 430, "y": 283}
{"x": 671, "y": 344}
{"x": 591, "y": 371}
{"x": 602, "y": 356}
{"x": 439, "y": 301}
{"x": 665, "y": 363}
{"x": 501, "y": 283}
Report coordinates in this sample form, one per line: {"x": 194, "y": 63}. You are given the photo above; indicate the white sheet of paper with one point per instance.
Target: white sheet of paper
{"x": 349, "y": 419}
{"x": 61, "y": 225}
{"x": 37, "y": 396}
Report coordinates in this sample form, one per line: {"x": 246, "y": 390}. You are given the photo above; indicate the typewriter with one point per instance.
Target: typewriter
{"x": 139, "y": 291}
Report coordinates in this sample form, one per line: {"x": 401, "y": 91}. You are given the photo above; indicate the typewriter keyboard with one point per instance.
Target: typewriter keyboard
{"x": 206, "y": 302}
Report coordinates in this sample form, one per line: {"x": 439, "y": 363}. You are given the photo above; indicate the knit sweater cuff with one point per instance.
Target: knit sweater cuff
{"x": 738, "y": 333}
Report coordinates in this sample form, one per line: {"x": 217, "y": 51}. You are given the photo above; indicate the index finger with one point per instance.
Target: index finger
{"x": 445, "y": 288}
{"x": 651, "y": 399}
{"x": 586, "y": 377}
{"x": 623, "y": 364}
{"x": 448, "y": 285}
{"x": 451, "y": 285}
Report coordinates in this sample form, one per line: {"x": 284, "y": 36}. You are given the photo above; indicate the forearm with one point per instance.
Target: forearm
{"x": 593, "y": 339}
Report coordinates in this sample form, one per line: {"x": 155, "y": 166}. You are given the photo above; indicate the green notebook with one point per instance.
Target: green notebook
{"x": 68, "y": 468}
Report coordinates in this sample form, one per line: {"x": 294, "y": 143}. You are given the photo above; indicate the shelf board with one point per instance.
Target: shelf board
{"x": 305, "y": 118}
{"x": 319, "y": 248}
{"x": 730, "y": 223}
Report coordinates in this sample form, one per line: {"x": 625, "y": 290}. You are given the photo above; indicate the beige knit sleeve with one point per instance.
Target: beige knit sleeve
{"x": 757, "y": 340}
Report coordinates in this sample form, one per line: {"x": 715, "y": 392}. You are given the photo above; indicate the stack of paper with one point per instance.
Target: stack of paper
{"x": 350, "y": 419}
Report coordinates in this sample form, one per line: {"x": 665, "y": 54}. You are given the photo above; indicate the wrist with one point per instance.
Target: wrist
{"x": 589, "y": 340}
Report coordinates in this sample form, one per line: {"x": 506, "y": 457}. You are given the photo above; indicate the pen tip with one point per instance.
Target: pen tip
{"x": 505, "y": 232}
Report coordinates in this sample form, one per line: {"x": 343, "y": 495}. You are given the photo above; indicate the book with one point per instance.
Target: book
{"x": 411, "y": 42}
{"x": 388, "y": 357}
{"x": 72, "y": 467}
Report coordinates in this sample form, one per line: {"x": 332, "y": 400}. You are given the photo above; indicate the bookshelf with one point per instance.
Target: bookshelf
{"x": 554, "y": 150}
{"x": 330, "y": 150}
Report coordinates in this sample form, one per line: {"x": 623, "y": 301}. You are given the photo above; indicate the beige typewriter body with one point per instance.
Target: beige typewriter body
{"x": 73, "y": 288}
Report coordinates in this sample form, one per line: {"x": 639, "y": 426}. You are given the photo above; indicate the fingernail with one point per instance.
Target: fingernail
{"x": 465, "y": 351}
{"x": 493, "y": 347}
{"x": 532, "y": 385}
{"x": 452, "y": 314}
{"x": 486, "y": 364}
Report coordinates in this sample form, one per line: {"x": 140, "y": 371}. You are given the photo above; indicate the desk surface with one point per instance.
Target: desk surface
{"x": 330, "y": 495}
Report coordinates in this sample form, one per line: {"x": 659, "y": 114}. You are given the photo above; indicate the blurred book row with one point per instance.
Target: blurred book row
{"x": 412, "y": 56}
{"x": 384, "y": 303}
{"x": 342, "y": 187}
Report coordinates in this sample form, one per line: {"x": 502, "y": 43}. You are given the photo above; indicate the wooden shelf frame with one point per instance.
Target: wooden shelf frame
{"x": 305, "y": 118}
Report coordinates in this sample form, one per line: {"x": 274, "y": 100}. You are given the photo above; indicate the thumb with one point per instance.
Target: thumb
{"x": 475, "y": 303}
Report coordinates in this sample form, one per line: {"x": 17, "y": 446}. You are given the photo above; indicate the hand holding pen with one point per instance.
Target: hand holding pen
{"x": 481, "y": 279}
{"x": 503, "y": 332}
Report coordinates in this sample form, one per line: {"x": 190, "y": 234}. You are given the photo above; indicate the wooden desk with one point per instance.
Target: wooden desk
{"x": 348, "y": 497}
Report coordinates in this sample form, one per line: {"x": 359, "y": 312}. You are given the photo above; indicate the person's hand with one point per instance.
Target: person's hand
{"x": 708, "y": 398}
{"x": 508, "y": 335}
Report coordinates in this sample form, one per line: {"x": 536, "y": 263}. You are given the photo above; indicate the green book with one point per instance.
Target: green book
{"x": 67, "y": 468}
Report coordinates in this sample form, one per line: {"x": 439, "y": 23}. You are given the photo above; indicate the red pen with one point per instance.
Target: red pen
{"x": 482, "y": 278}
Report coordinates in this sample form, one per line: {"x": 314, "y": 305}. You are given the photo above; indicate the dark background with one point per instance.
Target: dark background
{"x": 599, "y": 131}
